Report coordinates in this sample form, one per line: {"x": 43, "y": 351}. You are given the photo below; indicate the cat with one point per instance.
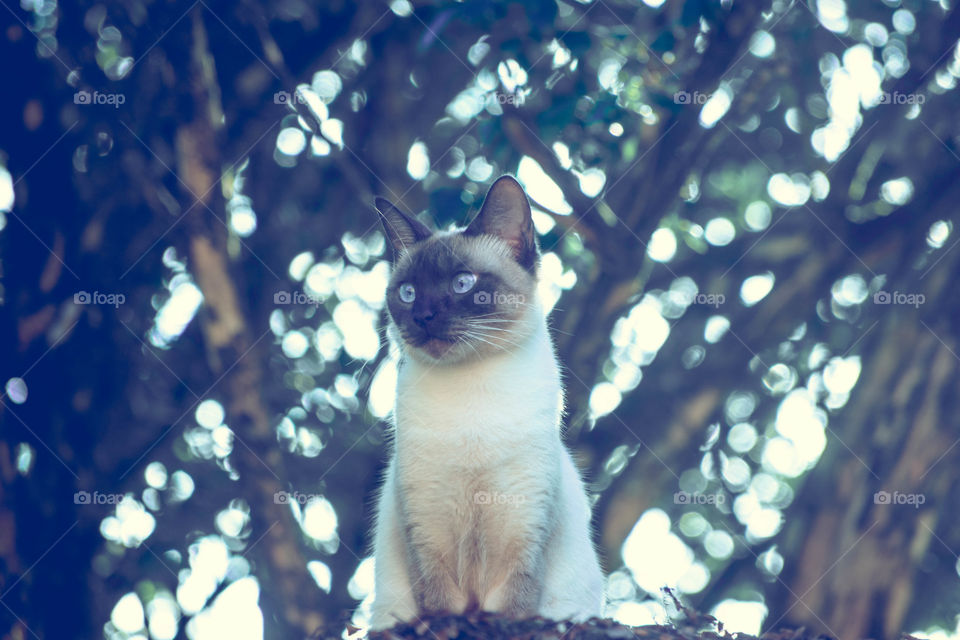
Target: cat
{"x": 482, "y": 507}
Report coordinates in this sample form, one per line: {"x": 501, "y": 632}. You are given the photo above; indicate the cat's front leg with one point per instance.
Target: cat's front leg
{"x": 520, "y": 595}
{"x": 435, "y": 588}
{"x": 521, "y": 570}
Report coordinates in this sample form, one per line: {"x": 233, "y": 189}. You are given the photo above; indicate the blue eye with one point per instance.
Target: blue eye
{"x": 407, "y": 293}
{"x": 463, "y": 282}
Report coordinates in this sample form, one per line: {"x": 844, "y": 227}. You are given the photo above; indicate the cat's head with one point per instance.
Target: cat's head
{"x": 468, "y": 293}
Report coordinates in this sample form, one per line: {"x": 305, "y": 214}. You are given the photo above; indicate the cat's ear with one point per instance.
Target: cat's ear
{"x": 506, "y": 214}
{"x": 403, "y": 231}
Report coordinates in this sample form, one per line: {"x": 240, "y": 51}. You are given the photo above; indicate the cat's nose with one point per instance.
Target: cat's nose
{"x": 424, "y": 317}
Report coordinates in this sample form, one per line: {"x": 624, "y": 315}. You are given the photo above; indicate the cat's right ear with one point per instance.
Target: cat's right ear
{"x": 403, "y": 231}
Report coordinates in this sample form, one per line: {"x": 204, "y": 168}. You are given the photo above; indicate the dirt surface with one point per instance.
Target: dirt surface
{"x": 488, "y": 626}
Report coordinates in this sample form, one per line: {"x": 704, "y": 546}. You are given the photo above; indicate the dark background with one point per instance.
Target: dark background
{"x": 753, "y": 254}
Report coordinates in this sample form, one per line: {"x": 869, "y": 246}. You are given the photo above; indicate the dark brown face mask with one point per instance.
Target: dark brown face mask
{"x": 463, "y": 289}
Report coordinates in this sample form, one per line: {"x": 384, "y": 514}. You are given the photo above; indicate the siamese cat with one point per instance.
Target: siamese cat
{"x": 482, "y": 507}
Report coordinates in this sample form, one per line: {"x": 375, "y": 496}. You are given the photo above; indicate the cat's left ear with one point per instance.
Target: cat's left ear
{"x": 403, "y": 231}
{"x": 506, "y": 214}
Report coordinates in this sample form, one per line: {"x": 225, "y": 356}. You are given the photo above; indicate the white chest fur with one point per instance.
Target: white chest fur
{"x": 482, "y": 506}
{"x": 475, "y": 413}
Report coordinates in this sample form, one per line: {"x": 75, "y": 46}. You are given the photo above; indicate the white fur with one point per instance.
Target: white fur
{"x": 485, "y": 427}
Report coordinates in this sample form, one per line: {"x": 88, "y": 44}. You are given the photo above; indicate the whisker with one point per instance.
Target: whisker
{"x": 481, "y": 325}
{"x": 467, "y": 342}
{"x": 484, "y": 338}
{"x": 484, "y": 327}
{"x": 473, "y": 336}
